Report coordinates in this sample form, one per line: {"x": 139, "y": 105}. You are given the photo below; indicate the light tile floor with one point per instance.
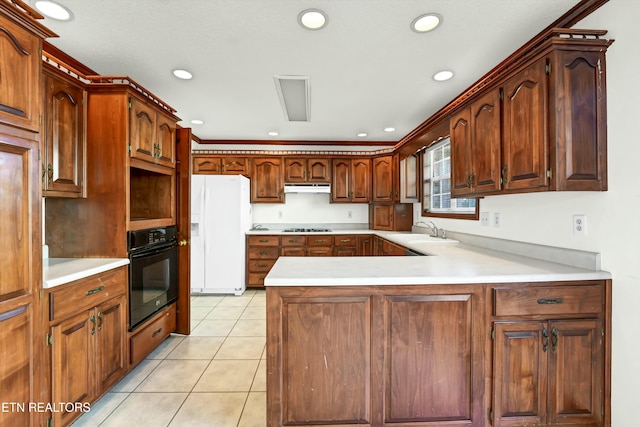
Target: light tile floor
{"x": 215, "y": 377}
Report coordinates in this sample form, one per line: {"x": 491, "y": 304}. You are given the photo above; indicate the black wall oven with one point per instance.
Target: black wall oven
{"x": 153, "y": 272}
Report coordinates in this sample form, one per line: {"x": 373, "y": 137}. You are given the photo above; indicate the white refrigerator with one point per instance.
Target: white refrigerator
{"x": 220, "y": 216}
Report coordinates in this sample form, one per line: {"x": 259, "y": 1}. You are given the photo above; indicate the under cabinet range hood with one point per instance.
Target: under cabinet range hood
{"x": 307, "y": 188}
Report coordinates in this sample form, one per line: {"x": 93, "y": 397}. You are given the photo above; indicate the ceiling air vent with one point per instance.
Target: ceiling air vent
{"x": 293, "y": 92}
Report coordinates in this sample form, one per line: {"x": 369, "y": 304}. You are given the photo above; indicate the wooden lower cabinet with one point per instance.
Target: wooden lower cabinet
{"x": 549, "y": 358}
{"x": 88, "y": 343}
{"x": 475, "y": 355}
{"x": 376, "y": 356}
{"x": 145, "y": 339}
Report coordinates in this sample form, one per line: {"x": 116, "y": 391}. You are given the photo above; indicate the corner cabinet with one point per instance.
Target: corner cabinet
{"x": 64, "y": 136}
{"x": 541, "y": 127}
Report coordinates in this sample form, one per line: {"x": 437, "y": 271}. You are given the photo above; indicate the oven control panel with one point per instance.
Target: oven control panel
{"x": 150, "y": 237}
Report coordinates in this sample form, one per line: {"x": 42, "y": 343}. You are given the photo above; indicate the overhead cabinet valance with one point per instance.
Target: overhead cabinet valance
{"x": 541, "y": 126}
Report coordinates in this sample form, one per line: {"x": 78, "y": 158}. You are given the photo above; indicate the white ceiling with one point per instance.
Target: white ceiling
{"x": 367, "y": 70}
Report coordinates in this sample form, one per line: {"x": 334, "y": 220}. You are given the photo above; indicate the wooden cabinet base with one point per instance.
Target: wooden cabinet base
{"x": 143, "y": 341}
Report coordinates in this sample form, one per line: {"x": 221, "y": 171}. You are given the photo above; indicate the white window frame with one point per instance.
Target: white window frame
{"x": 437, "y": 182}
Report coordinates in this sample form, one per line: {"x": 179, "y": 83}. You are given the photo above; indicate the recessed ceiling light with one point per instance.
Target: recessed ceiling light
{"x": 362, "y": 134}
{"x": 427, "y": 22}
{"x": 272, "y": 133}
{"x": 183, "y": 74}
{"x": 197, "y": 122}
{"x": 54, "y": 10}
{"x": 389, "y": 129}
{"x": 441, "y": 76}
{"x": 312, "y": 19}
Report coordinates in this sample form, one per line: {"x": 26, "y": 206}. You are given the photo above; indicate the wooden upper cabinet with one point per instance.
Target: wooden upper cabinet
{"x": 578, "y": 119}
{"x": 306, "y": 170}
{"x": 215, "y": 165}
{"x": 64, "y": 138}
{"x": 475, "y": 146}
{"x": 351, "y": 180}
{"x": 206, "y": 165}
{"x": 235, "y": 166}
{"x": 151, "y": 134}
{"x": 266, "y": 180}
{"x": 382, "y": 174}
{"x": 525, "y": 159}
{"x": 20, "y": 67}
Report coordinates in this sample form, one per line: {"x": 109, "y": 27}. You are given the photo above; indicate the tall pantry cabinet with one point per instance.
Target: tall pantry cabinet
{"x": 21, "y": 336}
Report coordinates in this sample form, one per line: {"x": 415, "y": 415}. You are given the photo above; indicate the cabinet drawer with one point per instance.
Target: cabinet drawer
{"x": 264, "y": 240}
{"x": 344, "y": 240}
{"x": 259, "y": 252}
{"x": 548, "y": 300}
{"x": 321, "y": 240}
{"x": 256, "y": 279}
{"x": 149, "y": 337}
{"x": 293, "y": 251}
{"x": 294, "y": 240}
{"x": 260, "y": 266}
{"x": 86, "y": 293}
{"x": 319, "y": 251}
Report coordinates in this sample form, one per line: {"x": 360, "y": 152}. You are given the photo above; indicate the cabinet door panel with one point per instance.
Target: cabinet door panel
{"x": 20, "y": 71}
{"x": 235, "y": 166}
{"x": 382, "y": 217}
{"x": 73, "y": 362}
{"x": 383, "y": 179}
{"x": 206, "y": 165}
{"x": 327, "y": 366}
{"x": 142, "y": 124}
{"x": 16, "y": 369}
{"x": 520, "y": 373}
{"x": 318, "y": 170}
{"x": 575, "y": 372}
{"x": 341, "y": 180}
{"x": 361, "y": 180}
{"x": 525, "y": 128}
{"x": 64, "y": 138}
{"x": 460, "y": 153}
{"x": 295, "y": 170}
{"x": 485, "y": 149}
{"x": 428, "y": 373}
{"x": 266, "y": 181}
{"x": 111, "y": 342}
{"x": 166, "y": 141}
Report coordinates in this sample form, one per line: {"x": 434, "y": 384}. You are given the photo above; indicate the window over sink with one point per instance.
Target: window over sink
{"x": 437, "y": 200}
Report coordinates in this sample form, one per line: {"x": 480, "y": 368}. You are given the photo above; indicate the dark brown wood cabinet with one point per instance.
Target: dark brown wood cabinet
{"x": 411, "y": 355}
{"x": 549, "y": 355}
{"x": 351, "y": 180}
{"x": 267, "y": 185}
{"x": 151, "y": 134}
{"x": 475, "y": 147}
{"x": 391, "y": 216}
{"x": 21, "y": 309}
{"x": 88, "y": 339}
{"x": 214, "y": 165}
{"x": 382, "y": 172}
{"x": 540, "y": 127}
{"x": 307, "y": 170}
{"x": 64, "y": 137}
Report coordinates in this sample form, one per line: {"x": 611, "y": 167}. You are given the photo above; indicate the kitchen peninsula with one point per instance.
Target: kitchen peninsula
{"x": 466, "y": 336}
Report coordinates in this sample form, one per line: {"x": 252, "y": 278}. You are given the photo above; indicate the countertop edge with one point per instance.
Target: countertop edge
{"x": 66, "y": 270}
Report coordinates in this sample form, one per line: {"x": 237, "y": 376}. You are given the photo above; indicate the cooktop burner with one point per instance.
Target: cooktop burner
{"x": 305, "y": 230}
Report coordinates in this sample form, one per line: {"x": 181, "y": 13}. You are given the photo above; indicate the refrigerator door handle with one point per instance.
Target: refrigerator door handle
{"x": 204, "y": 198}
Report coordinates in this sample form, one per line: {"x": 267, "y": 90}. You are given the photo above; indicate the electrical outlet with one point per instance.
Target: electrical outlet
{"x": 484, "y": 219}
{"x": 279, "y": 214}
{"x": 349, "y": 214}
{"x": 496, "y": 219}
{"x": 580, "y": 225}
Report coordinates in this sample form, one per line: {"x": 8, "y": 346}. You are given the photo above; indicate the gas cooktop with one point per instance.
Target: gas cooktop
{"x": 305, "y": 230}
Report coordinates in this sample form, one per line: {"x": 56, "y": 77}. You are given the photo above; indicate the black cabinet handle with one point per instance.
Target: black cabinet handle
{"x": 95, "y": 291}
{"x": 550, "y": 301}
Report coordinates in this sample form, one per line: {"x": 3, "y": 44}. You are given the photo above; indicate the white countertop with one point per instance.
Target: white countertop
{"x": 450, "y": 262}
{"x": 58, "y": 271}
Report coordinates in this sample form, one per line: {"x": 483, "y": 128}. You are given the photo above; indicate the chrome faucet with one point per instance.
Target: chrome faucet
{"x": 431, "y": 226}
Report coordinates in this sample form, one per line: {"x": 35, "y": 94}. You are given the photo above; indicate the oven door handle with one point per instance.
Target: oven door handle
{"x": 155, "y": 250}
